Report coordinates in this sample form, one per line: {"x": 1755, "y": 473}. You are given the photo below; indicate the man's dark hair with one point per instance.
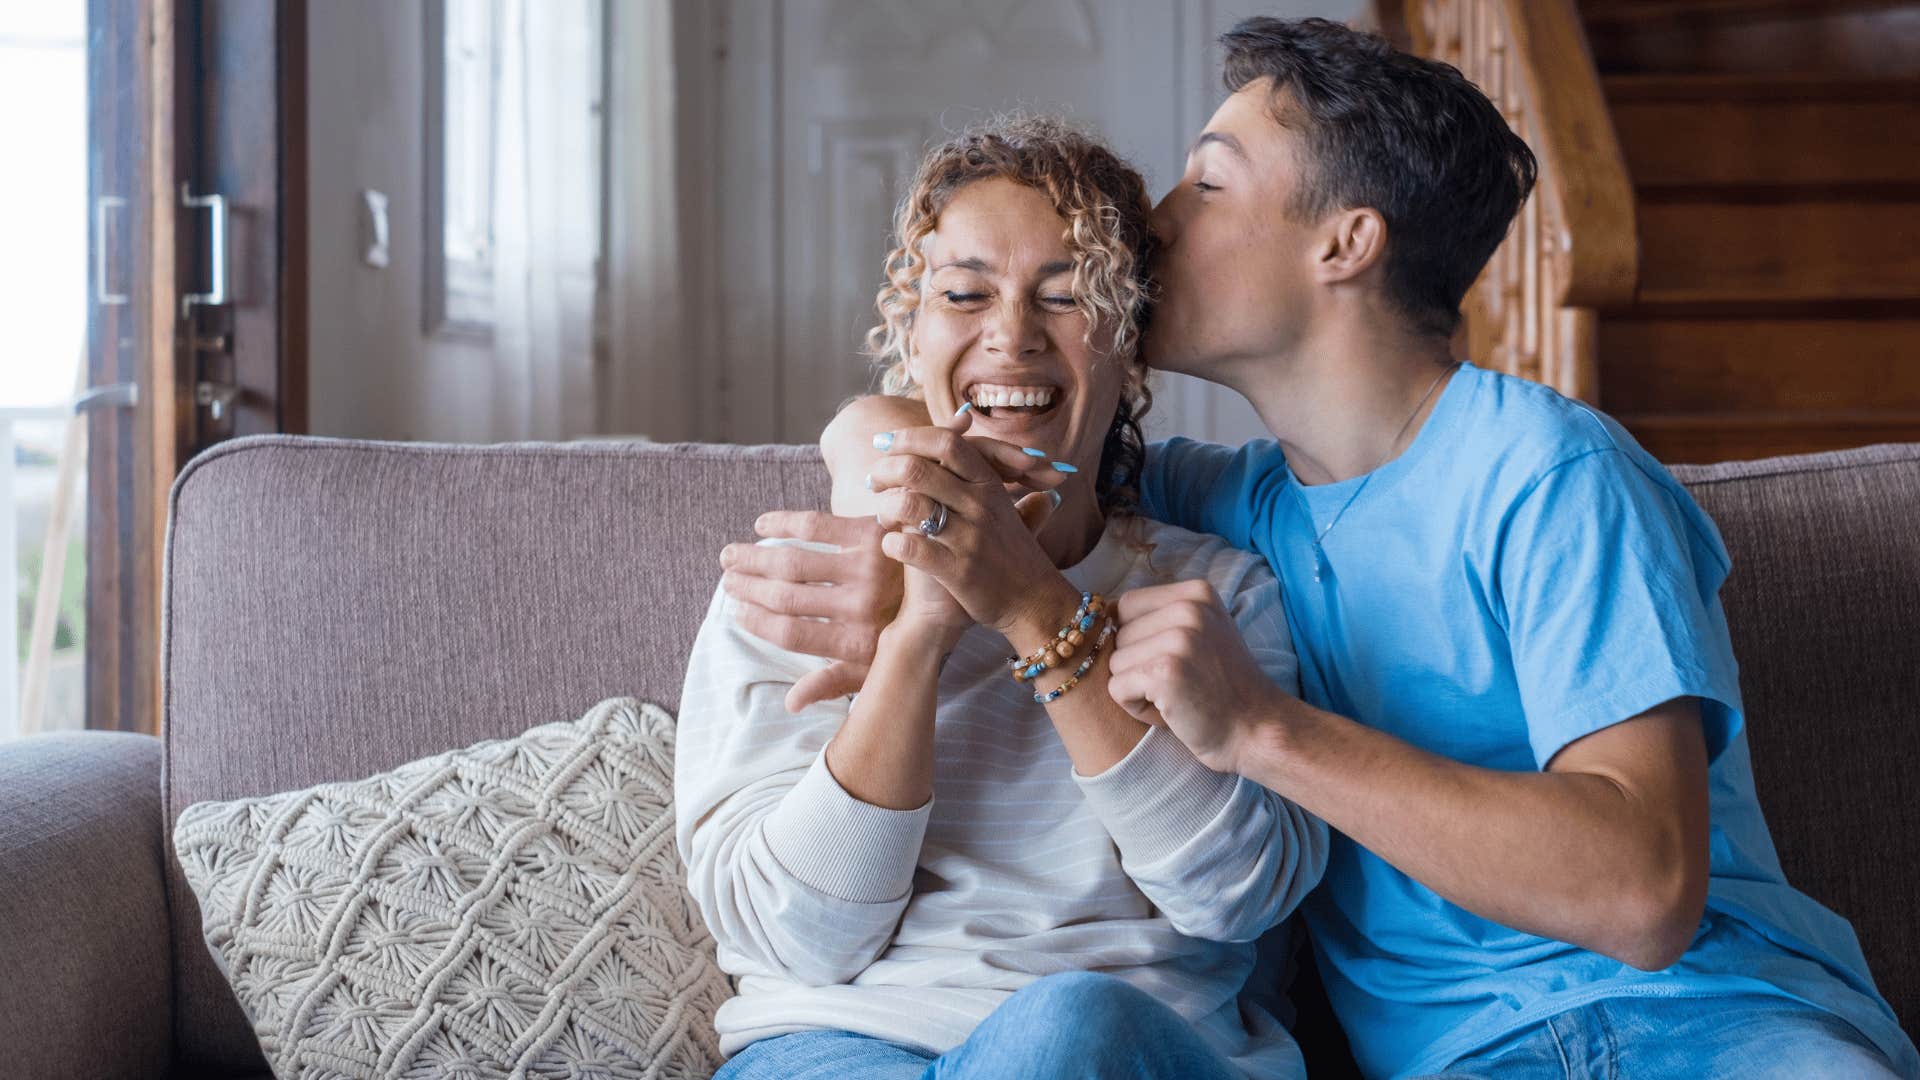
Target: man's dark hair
{"x": 1407, "y": 136}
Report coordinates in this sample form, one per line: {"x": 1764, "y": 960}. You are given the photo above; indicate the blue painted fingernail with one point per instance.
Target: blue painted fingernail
{"x": 883, "y": 441}
{"x": 963, "y": 408}
{"x": 1055, "y": 496}
{"x": 869, "y": 481}
{"x": 1031, "y": 452}
{"x": 1064, "y": 467}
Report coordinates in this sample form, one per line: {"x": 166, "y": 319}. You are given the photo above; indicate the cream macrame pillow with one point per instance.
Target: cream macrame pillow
{"x": 516, "y": 908}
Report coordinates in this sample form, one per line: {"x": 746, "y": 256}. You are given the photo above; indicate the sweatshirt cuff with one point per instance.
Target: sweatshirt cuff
{"x": 838, "y": 845}
{"x": 1158, "y": 798}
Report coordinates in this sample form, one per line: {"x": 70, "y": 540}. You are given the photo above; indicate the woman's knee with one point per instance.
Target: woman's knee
{"x": 1083, "y": 1024}
{"x": 1078, "y": 992}
{"x": 1086, "y": 1005}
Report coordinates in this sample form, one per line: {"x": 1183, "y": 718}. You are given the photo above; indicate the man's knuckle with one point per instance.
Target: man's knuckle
{"x": 846, "y": 644}
{"x": 846, "y": 606}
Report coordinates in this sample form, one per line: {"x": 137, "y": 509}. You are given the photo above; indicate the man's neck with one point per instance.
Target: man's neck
{"x": 1346, "y": 404}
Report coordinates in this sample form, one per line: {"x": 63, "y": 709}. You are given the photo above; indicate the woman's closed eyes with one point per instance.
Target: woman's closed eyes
{"x": 960, "y": 299}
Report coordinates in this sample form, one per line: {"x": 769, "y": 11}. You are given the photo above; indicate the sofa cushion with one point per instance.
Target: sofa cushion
{"x": 517, "y": 905}
{"x": 335, "y": 608}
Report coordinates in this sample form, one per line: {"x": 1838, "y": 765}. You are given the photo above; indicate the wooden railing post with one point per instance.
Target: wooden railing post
{"x": 1574, "y": 247}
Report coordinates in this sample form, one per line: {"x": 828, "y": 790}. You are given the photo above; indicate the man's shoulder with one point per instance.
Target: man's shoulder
{"x": 1522, "y": 431}
{"x": 1539, "y": 441}
{"x": 1193, "y": 481}
{"x": 1253, "y": 457}
{"x": 1540, "y": 421}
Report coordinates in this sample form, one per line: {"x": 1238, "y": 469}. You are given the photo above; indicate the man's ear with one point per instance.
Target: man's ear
{"x": 1352, "y": 242}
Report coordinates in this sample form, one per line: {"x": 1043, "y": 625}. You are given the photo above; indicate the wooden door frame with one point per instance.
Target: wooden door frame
{"x": 199, "y": 86}
{"x": 132, "y": 454}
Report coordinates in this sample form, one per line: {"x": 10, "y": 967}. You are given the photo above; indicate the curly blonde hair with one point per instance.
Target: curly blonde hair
{"x": 1105, "y": 205}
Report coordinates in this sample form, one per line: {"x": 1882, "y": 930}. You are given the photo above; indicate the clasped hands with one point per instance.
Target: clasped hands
{"x": 1178, "y": 659}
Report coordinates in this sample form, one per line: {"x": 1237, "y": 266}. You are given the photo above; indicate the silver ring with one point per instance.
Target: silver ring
{"x": 931, "y": 526}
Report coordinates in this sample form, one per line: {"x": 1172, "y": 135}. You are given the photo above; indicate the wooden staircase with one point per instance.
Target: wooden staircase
{"x": 1771, "y": 151}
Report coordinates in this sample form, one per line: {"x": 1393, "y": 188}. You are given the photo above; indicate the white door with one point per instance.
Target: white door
{"x": 823, "y": 108}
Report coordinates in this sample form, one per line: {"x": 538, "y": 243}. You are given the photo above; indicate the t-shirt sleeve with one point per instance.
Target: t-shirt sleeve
{"x": 1608, "y": 580}
{"x": 1210, "y": 488}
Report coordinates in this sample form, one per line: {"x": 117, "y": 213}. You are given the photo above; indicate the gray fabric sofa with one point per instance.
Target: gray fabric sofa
{"x": 334, "y": 608}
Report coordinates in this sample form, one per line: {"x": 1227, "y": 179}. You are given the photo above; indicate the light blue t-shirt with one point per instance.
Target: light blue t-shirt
{"x": 1523, "y": 575}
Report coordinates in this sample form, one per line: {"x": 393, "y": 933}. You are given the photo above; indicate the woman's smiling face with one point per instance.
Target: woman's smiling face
{"x": 997, "y": 325}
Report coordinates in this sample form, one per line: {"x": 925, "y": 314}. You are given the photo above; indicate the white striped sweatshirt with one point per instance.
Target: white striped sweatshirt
{"x": 912, "y": 926}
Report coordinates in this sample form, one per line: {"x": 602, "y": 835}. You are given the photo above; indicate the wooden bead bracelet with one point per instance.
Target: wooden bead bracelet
{"x": 1063, "y": 644}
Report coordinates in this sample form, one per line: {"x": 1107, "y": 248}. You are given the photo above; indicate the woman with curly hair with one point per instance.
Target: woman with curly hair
{"x": 981, "y": 865}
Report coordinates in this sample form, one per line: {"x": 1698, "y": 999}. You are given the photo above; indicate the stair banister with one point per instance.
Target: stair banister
{"x": 1574, "y": 248}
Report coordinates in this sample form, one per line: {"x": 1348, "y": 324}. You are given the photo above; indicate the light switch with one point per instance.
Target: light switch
{"x": 373, "y": 228}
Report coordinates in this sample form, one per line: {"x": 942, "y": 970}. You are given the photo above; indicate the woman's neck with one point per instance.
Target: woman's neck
{"x": 1073, "y": 530}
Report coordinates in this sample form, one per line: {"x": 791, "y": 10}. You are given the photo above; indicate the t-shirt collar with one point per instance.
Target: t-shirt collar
{"x": 1440, "y": 422}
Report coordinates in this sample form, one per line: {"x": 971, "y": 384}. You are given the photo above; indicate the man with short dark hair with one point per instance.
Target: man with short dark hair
{"x": 1520, "y": 708}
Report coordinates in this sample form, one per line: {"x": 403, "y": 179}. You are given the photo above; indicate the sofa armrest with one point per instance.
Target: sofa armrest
{"x": 84, "y": 955}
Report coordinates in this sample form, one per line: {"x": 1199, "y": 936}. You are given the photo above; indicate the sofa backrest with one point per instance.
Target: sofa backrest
{"x": 335, "y": 608}
{"x": 1824, "y": 607}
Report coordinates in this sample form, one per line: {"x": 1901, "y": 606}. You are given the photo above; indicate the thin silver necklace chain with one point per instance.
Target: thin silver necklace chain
{"x": 1319, "y": 552}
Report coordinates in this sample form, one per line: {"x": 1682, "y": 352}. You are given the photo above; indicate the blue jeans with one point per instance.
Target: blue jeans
{"x": 1678, "y": 1038}
{"x": 1073, "y": 1025}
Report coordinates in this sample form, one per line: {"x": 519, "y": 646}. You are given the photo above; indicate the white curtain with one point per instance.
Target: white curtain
{"x": 653, "y": 366}
{"x": 546, "y": 217}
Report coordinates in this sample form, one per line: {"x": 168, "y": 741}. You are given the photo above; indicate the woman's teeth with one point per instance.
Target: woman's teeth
{"x": 998, "y": 397}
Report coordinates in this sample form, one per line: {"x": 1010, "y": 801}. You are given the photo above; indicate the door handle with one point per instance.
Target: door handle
{"x": 121, "y": 395}
{"x": 216, "y": 398}
{"x": 217, "y": 213}
{"x": 100, "y": 207}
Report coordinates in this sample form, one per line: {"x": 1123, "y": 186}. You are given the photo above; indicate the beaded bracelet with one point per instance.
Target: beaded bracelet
{"x": 1063, "y": 643}
{"x": 1049, "y": 654}
{"x": 1085, "y": 666}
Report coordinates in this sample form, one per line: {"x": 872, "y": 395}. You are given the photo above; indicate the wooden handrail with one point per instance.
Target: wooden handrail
{"x": 1575, "y": 246}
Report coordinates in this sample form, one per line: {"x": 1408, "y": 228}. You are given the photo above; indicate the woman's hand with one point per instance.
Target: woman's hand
{"x": 782, "y": 591}
{"x": 988, "y": 557}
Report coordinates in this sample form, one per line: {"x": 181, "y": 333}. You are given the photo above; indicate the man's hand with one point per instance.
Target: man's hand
{"x": 1180, "y": 662}
{"x": 784, "y": 591}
